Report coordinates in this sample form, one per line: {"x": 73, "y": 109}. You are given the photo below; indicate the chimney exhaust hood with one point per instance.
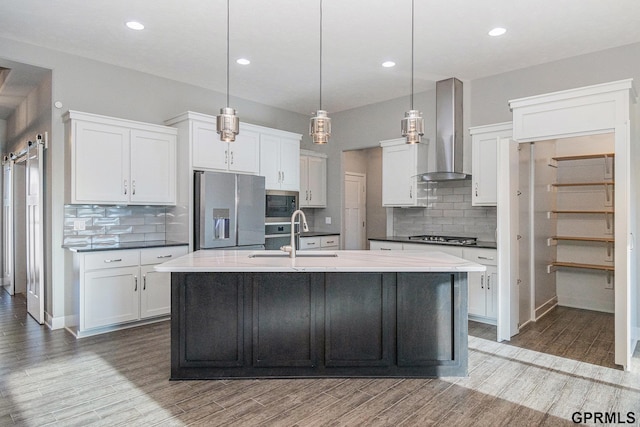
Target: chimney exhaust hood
{"x": 449, "y": 132}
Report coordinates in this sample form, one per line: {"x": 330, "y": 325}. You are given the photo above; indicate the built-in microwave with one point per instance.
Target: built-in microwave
{"x": 280, "y": 205}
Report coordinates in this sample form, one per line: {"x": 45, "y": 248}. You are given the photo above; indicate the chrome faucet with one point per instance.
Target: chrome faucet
{"x": 292, "y": 247}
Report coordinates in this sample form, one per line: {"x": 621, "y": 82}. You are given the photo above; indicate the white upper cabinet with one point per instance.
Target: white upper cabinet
{"x": 313, "y": 179}
{"x": 116, "y": 161}
{"x": 401, "y": 165}
{"x": 280, "y": 160}
{"x": 209, "y": 153}
{"x": 484, "y": 162}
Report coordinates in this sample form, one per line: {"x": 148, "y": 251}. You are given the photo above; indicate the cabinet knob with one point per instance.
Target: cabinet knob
{"x": 488, "y": 282}
{"x": 133, "y": 187}
{"x": 164, "y": 256}
{"x": 125, "y": 186}
{"x": 310, "y": 195}
{"x": 135, "y": 278}
{"x": 113, "y": 260}
{"x": 481, "y": 282}
{"x": 232, "y": 157}
{"x": 144, "y": 282}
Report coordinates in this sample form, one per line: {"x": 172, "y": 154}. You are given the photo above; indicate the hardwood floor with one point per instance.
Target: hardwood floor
{"x": 558, "y": 366}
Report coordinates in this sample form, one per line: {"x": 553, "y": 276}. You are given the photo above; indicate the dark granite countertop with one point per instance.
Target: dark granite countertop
{"x": 318, "y": 233}
{"x": 124, "y": 245}
{"x": 405, "y": 239}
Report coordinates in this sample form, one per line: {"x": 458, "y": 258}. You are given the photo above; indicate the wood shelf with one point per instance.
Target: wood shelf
{"x": 579, "y": 184}
{"x": 584, "y": 157}
{"x": 587, "y": 266}
{"x": 581, "y": 212}
{"x": 585, "y": 239}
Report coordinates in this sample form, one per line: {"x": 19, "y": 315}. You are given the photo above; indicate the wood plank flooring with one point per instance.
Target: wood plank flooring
{"x": 555, "y": 367}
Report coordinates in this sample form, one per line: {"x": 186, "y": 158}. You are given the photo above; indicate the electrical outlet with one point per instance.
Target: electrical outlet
{"x": 79, "y": 225}
{"x": 327, "y": 220}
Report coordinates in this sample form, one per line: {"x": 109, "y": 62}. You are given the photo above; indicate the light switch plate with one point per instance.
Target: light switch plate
{"x": 327, "y": 220}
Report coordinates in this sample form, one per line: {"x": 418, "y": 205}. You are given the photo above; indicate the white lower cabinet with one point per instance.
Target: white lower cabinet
{"x": 378, "y": 245}
{"x": 483, "y": 286}
{"x": 323, "y": 243}
{"x": 119, "y": 287}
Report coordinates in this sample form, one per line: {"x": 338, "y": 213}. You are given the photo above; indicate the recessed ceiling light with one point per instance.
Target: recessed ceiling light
{"x": 243, "y": 61}
{"x": 388, "y": 64}
{"x": 498, "y": 31}
{"x": 135, "y": 25}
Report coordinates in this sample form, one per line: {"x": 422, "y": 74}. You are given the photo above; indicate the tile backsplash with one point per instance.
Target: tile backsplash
{"x": 449, "y": 212}
{"x": 113, "y": 224}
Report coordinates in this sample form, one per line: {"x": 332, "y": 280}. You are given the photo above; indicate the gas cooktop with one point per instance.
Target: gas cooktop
{"x": 446, "y": 240}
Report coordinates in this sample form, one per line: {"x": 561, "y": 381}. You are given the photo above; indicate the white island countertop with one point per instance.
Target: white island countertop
{"x": 318, "y": 261}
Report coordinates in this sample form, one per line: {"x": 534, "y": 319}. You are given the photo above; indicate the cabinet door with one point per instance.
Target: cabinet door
{"x": 290, "y": 164}
{"x": 208, "y": 151}
{"x": 270, "y": 161}
{"x": 476, "y": 283}
{"x": 100, "y": 169}
{"x": 110, "y": 297}
{"x": 155, "y": 296}
{"x": 153, "y": 168}
{"x": 491, "y": 288}
{"x": 485, "y": 170}
{"x": 244, "y": 153}
{"x": 317, "y": 181}
{"x": 304, "y": 181}
{"x": 397, "y": 183}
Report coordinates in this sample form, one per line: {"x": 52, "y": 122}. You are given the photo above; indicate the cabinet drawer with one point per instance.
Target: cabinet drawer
{"x": 309, "y": 243}
{"x": 481, "y": 255}
{"x": 159, "y": 255}
{"x": 111, "y": 259}
{"x": 329, "y": 241}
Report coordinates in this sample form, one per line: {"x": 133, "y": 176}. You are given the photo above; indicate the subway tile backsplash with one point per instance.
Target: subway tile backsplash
{"x": 114, "y": 224}
{"x": 449, "y": 212}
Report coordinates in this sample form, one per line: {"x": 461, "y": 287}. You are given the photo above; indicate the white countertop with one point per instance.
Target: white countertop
{"x": 345, "y": 261}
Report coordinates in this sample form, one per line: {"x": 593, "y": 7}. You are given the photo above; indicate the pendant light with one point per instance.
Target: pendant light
{"x": 228, "y": 123}
{"x": 413, "y": 123}
{"x": 320, "y": 125}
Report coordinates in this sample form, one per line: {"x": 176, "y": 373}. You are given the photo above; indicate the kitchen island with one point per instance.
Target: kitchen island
{"x": 244, "y": 314}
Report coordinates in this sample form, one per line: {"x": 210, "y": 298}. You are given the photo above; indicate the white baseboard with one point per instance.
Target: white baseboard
{"x": 57, "y": 322}
{"x": 546, "y": 307}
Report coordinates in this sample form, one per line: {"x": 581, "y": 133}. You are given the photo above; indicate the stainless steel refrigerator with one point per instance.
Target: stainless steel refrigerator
{"x": 229, "y": 211}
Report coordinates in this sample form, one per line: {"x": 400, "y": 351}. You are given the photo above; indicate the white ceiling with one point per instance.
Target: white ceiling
{"x": 185, "y": 40}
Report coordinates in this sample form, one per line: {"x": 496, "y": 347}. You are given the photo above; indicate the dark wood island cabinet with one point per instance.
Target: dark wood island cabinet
{"x": 372, "y": 324}
{"x": 302, "y": 318}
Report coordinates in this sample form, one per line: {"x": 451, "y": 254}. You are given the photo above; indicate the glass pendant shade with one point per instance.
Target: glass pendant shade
{"x": 320, "y": 127}
{"x": 228, "y": 124}
{"x": 412, "y": 126}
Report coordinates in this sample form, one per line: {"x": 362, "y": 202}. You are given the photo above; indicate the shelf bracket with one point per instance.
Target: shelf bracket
{"x": 609, "y": 252}
{"x": 608, "y": 166}
{"x": 552, "y": 241}
{"x": 552, "y": 162}
{"x": 608, "y": 194}
{"x": 551, "y": 268}
{"x": 609, "y": 284}
{"x": 608, "y": 222}
{"x": 552, "y": 215}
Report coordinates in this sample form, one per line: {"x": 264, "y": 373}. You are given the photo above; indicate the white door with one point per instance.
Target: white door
{"x": 35, "y": 232}
{"x": 7, "y": 229}
{"x": 354, "y": 211}
{"x": 507, "y": 309}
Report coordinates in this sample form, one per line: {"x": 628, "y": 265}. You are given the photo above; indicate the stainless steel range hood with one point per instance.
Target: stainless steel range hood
{"x": 449, "y": 132}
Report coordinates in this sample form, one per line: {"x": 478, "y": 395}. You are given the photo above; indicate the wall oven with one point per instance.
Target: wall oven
{"x": 280, "y": 205}
{"x": 278, "y": 234}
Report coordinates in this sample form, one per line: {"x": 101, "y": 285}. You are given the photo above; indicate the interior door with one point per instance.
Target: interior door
{"x": 35, "y": 232}
{"x": 354, "y": 211}
{"x": 7, "y": 228}
{"x": 509, "y": 198}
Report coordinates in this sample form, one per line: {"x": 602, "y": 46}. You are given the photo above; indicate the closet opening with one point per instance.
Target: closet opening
{"x": 566, "y": 245}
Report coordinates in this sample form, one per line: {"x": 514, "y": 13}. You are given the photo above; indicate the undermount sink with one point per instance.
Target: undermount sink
{"x": 299, "y": 254}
